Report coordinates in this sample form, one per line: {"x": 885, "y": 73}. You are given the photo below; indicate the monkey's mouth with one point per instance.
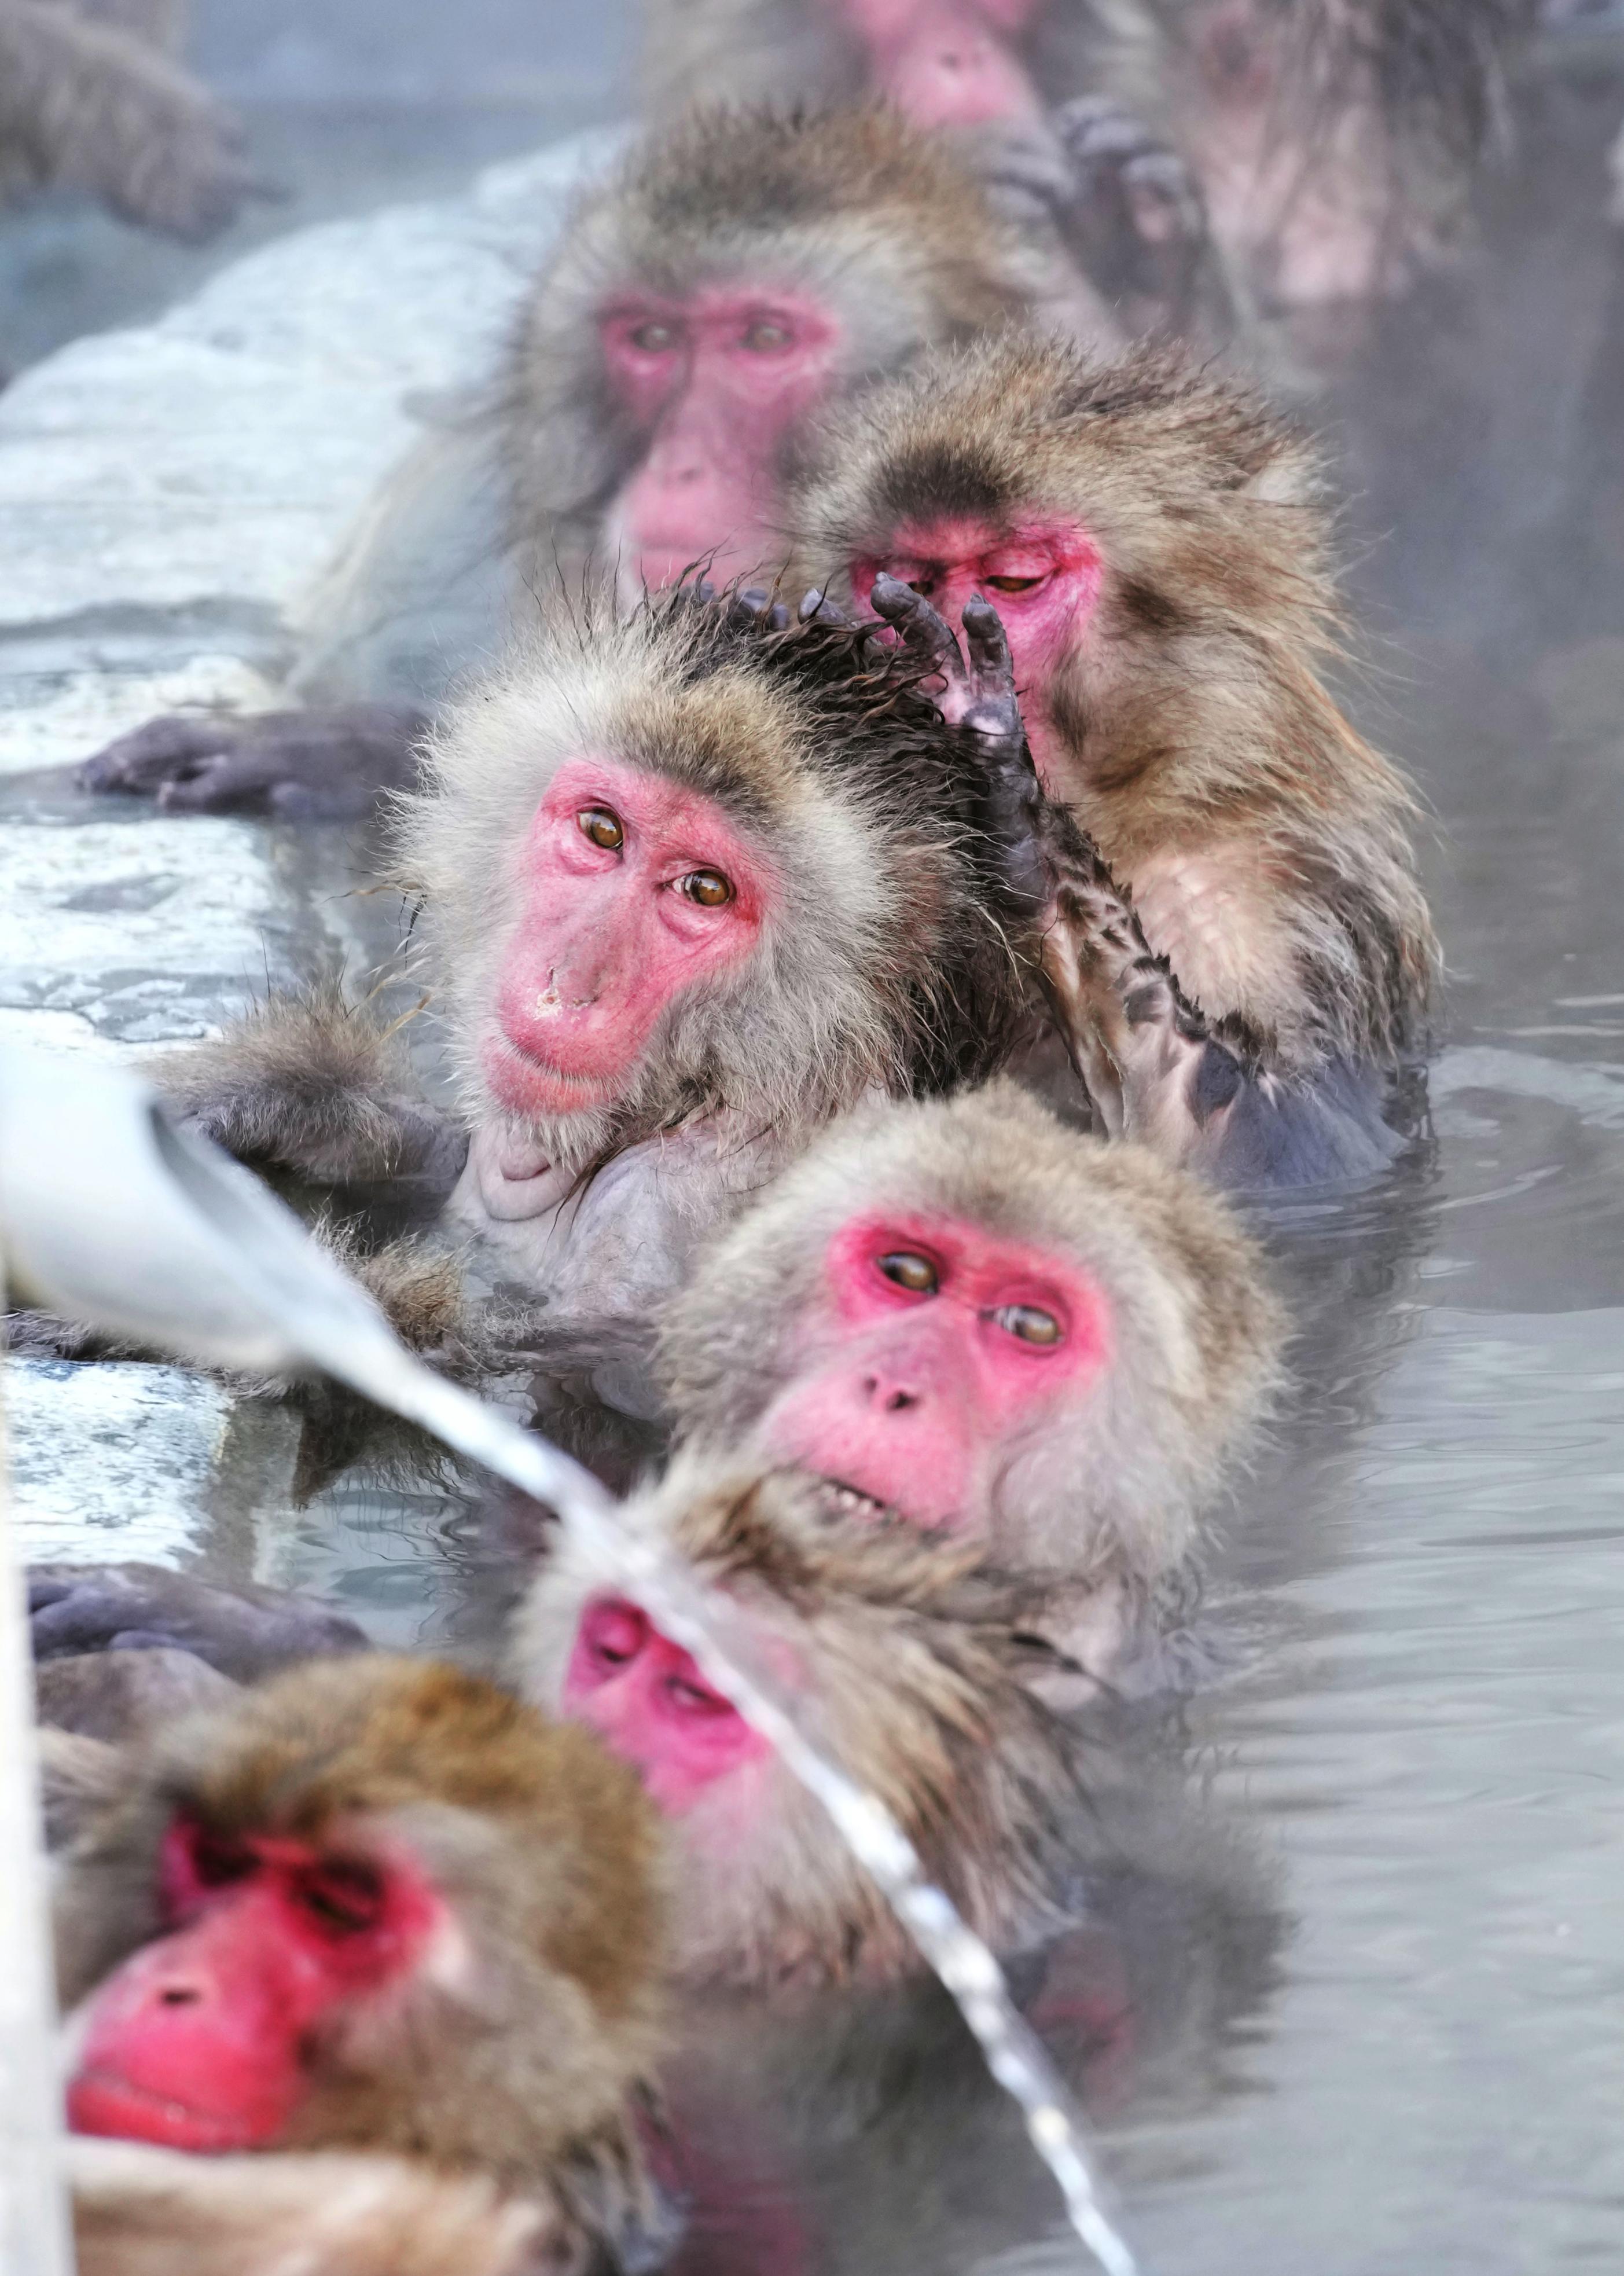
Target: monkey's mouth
{"x": 100, "y": 2102}
{"x": 836, "y": 1499}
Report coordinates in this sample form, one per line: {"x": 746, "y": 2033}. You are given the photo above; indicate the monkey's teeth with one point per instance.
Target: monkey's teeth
{"x": 849, "y": 1502}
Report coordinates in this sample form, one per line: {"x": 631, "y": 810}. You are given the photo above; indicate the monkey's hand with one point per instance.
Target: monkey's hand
{"x": 1137, "y": 221}
{"x": 977, "y": 693}
{"x": 331, "y": 765}
{"x": 244, "y": 1632}
{"x": 92, "y": 107}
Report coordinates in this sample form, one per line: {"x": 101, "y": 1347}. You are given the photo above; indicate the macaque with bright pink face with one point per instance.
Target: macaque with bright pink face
{"x": 380, "y": 1911}
{"x": 947, "y": 63}
{"x": 1129, "y": 562}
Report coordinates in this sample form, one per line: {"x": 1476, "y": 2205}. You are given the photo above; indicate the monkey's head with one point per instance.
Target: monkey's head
{"x": 740, "y": 271}
{"x": 910, "y": 1656}
{"x": 1150, "y": 536}
{"x": 966, "y": 1314}
{"x": 683, "y": 863}
{"x": 376, "y": 1904}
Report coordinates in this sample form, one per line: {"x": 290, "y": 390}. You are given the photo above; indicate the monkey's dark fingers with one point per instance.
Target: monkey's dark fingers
{"x": 993, "y": 710}
{"x": 926, "y": 636}
{"x": 818, "y": 604}
{"x": 138, "y": 763}
{"x": 87, "y": 1608}
{"x": 1098, "y": 132}
{"x": 1163, "y": 198}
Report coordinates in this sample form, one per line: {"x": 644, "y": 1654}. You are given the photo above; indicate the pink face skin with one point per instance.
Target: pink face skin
{"x": 1043, "y": 578}
{"x": 717, "y": 383}
{"x": 648, "y": 1702}
{"x": 611, "y": 933}
{"x": 947, "y": 63}
{"x": 942, "y": 1342}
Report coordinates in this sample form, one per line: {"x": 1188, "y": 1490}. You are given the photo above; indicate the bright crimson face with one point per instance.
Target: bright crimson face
{"x": 647, "y": 1701}
{"x": 635, "y": 890}
{"x": 942, "y": 1341}
{"x": 717, "y": 383}
{"x": 197, "y": 2041}
{"x": 946, "y": 63}
{"x": 1043, "y": 578}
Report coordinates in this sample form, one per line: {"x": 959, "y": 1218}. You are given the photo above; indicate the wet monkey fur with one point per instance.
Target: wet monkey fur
{"x": 703, "y": 305}
{"x": 690, "y": 883}
{"x": 379, "y": 1936}
{"x": 1222, "y": 873}
{"x": 92, "y": 98}
{"x": 1330, "y": 143}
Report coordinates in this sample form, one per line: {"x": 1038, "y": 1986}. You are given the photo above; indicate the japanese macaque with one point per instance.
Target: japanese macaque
{"x": 917, "y": 1663}
{"x": 691, "y": 884}
{"x": 1331, "y": 142}
{"x": 1233, "y": 938}
{"x": 371, "y": 1962}
{"x": 967, "y": 1314}
{"x": 703, "y": 304}
{"x": 92, "y": 99}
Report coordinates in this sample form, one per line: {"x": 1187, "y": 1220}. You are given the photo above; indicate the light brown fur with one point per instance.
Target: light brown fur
{"x": 1197, "y": 743}
{"x": 1110, "y": 1490}
{"x": 516, "y": 2060}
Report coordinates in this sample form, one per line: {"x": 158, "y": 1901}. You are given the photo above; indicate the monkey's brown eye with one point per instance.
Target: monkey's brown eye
{"x": 1032, "y": 1324}
{"x": 1013, "y": 584}
{"x": 763, "y": 339}
{"x": 345, "y": 1898}
{"x": 709, "y": 887}
{"x": 654, "y": 339}
{"x": 923, "y": 586}
{"x": 601, "y": 827}
{"x": 910, "y": 1270}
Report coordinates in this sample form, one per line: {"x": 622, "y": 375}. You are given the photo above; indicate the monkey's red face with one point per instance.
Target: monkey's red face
{"x": 645, "y": 1699}
{"x": 947, "y": 63}
{"x": 1043, "y": 578}
{"x": 934, "y": 1346}
{"x": 198, "y": 2039}
{"x": 717, "y": 383}
{"x": 636, "y": 891}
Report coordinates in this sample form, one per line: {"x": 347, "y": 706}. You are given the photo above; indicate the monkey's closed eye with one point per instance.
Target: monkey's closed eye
{"x": 601, "y": 827}
{"x": 1032, "y": 1324}
{"x": 709, "y": 887}
{"x": 693, "y": 1699}
{"x": 215, "y": 1861}
{"x": 345, "y": 1898}
{"x": 1012, "y": 584}
{"x": 910, "y": 1270}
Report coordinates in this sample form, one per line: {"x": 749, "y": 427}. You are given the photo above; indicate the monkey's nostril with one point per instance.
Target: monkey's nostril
{"x": 179, "y": 1995}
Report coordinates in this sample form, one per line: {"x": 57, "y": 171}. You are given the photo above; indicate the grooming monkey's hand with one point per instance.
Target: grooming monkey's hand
{"x": 978, "y": 692}
{"x": 1137, "y": 215}
{"x": 293, "y": 765}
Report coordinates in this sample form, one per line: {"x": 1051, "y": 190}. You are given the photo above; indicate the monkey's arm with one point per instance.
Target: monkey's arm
{"x": 90, "y": 107}
{"x": 311, "y": 1084}
{"x": 1200, "y": 1092}
{"x": 320, "y": 765}
{"x": 243, "y": 1632}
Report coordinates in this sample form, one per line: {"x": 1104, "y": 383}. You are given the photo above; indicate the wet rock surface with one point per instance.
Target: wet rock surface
{"x": 167, "y": 495}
